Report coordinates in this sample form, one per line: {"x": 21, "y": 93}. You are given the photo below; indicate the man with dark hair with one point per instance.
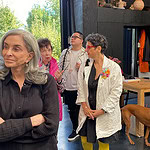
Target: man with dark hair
{"x": 70, "y": 61}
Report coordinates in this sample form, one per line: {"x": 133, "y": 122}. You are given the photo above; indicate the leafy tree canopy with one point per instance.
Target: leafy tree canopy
{"x": 7, "y": 20}
{"x": 45, "y": 23}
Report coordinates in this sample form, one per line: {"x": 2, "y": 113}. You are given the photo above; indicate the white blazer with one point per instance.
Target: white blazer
{"x": 107, "y": 97}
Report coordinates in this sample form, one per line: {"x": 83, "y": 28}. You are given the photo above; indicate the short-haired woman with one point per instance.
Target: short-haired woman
{"x": 50, "y": 65}
{"x": 100, "y": 87}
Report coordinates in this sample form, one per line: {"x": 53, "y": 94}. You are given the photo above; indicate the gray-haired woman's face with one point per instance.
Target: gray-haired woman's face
{"x": 15, "y": 53}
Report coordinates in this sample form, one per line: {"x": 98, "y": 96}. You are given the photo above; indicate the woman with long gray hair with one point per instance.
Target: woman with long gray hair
{"x": 29, "y": 109}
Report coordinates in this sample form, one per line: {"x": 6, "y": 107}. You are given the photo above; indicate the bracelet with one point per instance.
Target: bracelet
{"x": 104, "y": 110}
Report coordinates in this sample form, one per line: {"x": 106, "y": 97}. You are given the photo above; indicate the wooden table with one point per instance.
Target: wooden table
{"x": 141, "y": 87}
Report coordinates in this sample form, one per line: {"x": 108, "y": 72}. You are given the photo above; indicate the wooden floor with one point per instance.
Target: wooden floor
{"x": 65, "y": 129}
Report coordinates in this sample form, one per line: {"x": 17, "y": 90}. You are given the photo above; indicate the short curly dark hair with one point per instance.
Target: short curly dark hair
{"x": 44, "y": 42}
{"x": 97, "y": 39}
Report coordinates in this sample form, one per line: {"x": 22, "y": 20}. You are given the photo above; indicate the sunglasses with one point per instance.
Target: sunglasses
{"x": 75, "y": 37}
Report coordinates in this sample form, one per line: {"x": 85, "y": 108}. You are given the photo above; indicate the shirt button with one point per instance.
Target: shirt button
{"x": 19, "y": 107}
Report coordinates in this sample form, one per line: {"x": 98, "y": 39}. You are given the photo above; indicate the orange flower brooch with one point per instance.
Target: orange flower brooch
{"x": 105, "y": 73}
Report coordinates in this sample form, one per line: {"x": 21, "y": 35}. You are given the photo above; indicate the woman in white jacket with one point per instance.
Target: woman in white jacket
{"x": 99, "y": 90}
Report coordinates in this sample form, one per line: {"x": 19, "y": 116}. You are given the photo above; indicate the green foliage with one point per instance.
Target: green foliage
{"x": 45, "y": 23}
{"x": 7, "y": 20}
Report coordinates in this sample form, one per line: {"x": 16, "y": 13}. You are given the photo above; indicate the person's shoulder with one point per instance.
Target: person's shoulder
{"x": 82, "y": 49}
{"x": 64, "y": 51}
{"x": 113, "y": 65}
{"x": 50, "y": 83}
{"x": 53, "y": 60}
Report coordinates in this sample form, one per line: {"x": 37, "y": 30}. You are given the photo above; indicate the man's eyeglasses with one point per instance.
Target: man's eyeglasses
{"x": 88, "y": 47}
{"x": 75, "y": 37}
